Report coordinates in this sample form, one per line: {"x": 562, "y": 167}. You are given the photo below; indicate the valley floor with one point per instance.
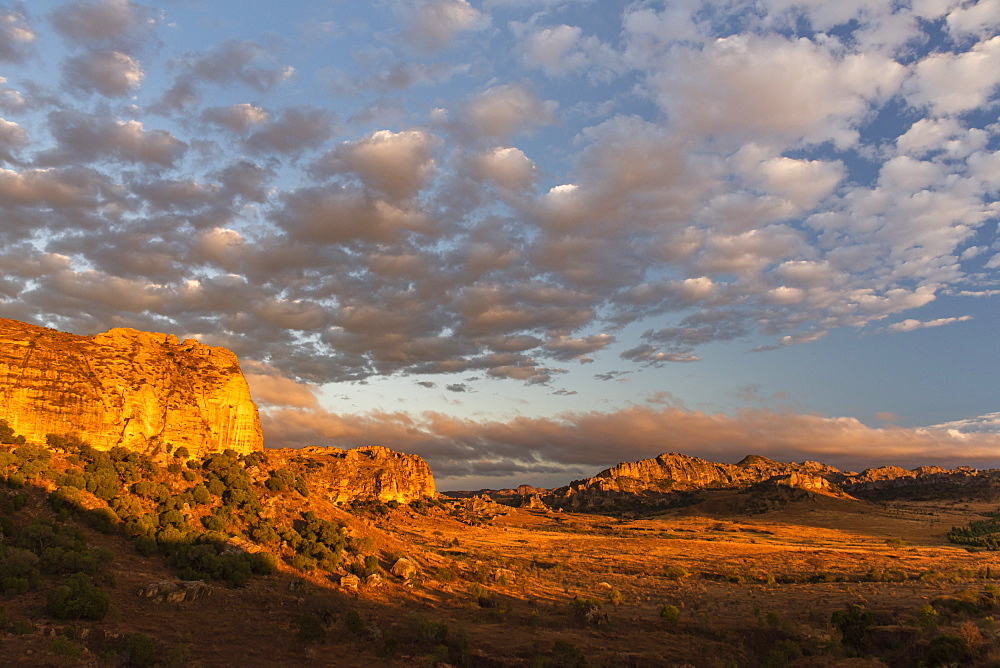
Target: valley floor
{"x": 827, "y": 582}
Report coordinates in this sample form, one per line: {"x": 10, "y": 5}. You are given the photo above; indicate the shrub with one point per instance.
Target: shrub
{"x": 79, "y": 598}
{"x": 310, "y": 629}
{"x": 63, "y": 646}
{"x": 948, "y": 650}
{"x": 565, "y": 653}
{"x": 354, "y": 622}
{"x": 263, "y": 563}
{"x": 852, "y": 624}
{"x": 22, "y": 627}
{"x": 145, "y": 545}
{"x": 670, "y": 613}
{"x": 675, "y": 572}
{"x": 7, "y": 435}
{"x": 138, "y": 649}
{"x": 103, "y": 519}
{"x": 200, "y": 494}
{"x": 927, "y": 618}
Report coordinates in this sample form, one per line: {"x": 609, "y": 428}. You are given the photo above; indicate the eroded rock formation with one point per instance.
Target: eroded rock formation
{"x": 657, "y": 481}
{"x": 368, "y": 473}
{"x": 139, "y": 390}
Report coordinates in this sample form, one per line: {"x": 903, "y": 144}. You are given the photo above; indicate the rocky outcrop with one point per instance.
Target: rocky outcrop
{"x": 174, "y": 592}
{"x": 653, "y": 480}
{"x": 143, "y": 391}
{"x": 368, "y": 473}
{"x": 657, "y": 482}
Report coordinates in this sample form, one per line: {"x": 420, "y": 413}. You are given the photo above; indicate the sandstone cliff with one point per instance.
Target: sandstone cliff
{"x": 369, "y": 473}
{"x": 124, "y": 387}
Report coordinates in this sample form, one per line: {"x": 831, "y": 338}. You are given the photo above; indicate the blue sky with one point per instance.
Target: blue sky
{"x": 529, "y": 239}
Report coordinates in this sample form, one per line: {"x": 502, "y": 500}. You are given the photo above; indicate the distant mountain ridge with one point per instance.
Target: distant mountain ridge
{"x": 661, "y": 480}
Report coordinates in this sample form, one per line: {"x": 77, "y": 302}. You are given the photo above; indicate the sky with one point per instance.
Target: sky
{"x": 529, "y": 239}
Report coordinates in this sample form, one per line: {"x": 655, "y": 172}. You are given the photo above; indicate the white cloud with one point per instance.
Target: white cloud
{"x": 15, "y": 36}
{"x": 434, "y": 23}
{"x": 980, "y": 19}
{"x": 910, "y": 324}
{"x": 508, "y": 167}
{"x": 507, "y": 109}
{"x": 238, "y": 117}
{"x": 108, "y": 73}
{"x": 732, "y": 87}
{"x": 398, "y": 164}
{"x": 952, "y": 83}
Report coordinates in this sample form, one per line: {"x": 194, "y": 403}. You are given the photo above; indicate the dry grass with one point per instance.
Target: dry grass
{"x": 759, "y": 590}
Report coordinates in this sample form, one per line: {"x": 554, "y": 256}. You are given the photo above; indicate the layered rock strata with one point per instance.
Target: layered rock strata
{"x": 139, "y": 390}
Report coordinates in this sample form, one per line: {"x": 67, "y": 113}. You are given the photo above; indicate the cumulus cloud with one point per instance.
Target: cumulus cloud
{"x": 820, "y": 95}
{"x": 397, "y": 164}
{"x": 110, "y": 74}
{"x": 234, "y": 62}
{"x": 563, "y": 49}
{"x": 951, "y": 83}
{"x": 104, "y": 22}
{"x": 700, "y": 175}
{"x": 12, "y": 138}
{"x": 16, "y": 36}
{"x": 508, "y": 167}
{"x": 237, "y": 117}
{"x": 505, "y": 110}
{"x": 89, "y": 137}
{"x": 296, "y": 130}
{"x": 434, "y": 23}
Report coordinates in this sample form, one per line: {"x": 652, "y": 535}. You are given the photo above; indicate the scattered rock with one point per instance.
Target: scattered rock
{"x": 504, "y": 576}
{"x": 373, "y": 580}
{"x": 404, "y": 568}
{"x": 174, "y": 592}
{"x": 350, "y": 581}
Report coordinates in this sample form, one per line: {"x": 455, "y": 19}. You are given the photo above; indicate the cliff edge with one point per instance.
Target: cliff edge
{"x": 139, "y": 390}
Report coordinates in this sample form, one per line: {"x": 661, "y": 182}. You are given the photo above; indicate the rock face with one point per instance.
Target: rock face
{"x": 139, "y": 390}
{"x": 369, "y": 473}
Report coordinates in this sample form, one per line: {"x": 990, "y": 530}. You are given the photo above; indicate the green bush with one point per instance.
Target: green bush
{"x": 852, "y": 624}
{"x": 200, "y": 494}
{"x": 675, "y": 572}
{"x": 78, "y": 598}
{"x": 309, "y": 629}
{"x": 104, "y": 520}
{"x": 63, "y": 646}
{"x": 7, "y": 435}
{"x": 670, "y": 613}
{"x": 145, "y": 545}
{"x": 948, "y": 650}
{"x": 138, "y": 649}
